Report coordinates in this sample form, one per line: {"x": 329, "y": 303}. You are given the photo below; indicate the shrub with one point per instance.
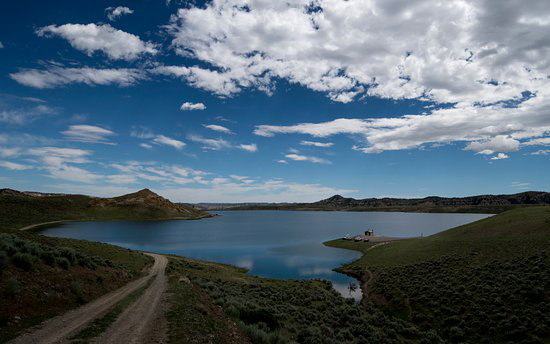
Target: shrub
{"x": 256, "y": 335}
{"x": 4, "y": 261}
{"x": 23, "y": 260}
{"x": 77, "y": 291}
{"x": 9, "y": 248}
{"x": 68, "y": 253}
{"x": 232, "y": 311}
{"x": 48, "y": 257}
{"x": 12, "y": 287}
{"x": 63, "y": 262}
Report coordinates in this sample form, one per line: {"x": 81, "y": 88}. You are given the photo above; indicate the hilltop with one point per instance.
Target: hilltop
{"x": 433, "y": 204}
{"x": 26, "y": 208}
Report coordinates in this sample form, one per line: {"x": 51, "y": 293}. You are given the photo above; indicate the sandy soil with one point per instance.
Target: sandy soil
{"x": 143, "y": 321}
{"x": 60, "y": 328}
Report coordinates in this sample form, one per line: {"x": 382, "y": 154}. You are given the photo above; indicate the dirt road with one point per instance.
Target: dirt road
{"x": 143, "y": 321}
{"x": 62, "y": 327}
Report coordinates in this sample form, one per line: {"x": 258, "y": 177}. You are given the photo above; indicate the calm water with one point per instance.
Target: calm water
{"x": 277, "y": 244}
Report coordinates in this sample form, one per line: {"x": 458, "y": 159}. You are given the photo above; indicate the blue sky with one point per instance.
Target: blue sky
{"x": 234, "y": 101}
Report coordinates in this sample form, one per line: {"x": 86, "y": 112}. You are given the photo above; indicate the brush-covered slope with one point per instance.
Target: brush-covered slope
{"x": 484, "y": 282}
{"x": 41, "y": 277}
{"x": 20, "y": 209}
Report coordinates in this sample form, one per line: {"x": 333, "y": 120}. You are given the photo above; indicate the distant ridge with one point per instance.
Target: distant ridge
{"x": 25, "y": 208}
{"x": 471, "y": 204}
{"x": 529, "y": 197}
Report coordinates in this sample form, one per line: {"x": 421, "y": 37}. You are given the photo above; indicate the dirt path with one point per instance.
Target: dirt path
{"x": 42, "y": 224}
{"x": 379, "y": 244}
{"x": 60, "y": 328}
{"x": 143, "y": 321}
{"x": 367, "y": 278}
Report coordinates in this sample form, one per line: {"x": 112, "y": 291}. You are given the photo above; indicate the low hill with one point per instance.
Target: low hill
{"x": 491, "y": 204}
{"x": 487, "y": 281}
{"x": 530, "y": 197}
{"x": 26, "y": 208}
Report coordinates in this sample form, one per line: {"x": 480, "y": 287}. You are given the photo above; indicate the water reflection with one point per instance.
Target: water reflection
{"x": 345, "y": 291}
{"x": 275, "y": 244}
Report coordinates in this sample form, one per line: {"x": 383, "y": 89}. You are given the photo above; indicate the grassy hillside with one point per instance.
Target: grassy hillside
{"x": 487, "y": 281}
{"x": 23, "y": 210}
{"x": 41, "y": 277}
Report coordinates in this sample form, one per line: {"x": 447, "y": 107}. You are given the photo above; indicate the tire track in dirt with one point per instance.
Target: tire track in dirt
{"x": 62, "y": 327}
{"x": 143, "y": 321}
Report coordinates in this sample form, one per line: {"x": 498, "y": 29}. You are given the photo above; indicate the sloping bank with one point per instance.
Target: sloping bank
{"x": 488, "y": 281}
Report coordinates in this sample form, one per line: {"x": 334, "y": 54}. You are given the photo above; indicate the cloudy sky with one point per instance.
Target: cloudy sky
{"x": 260, "y": 100}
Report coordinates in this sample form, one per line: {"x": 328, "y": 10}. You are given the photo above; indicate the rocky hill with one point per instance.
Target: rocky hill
{"x": 24, "y": 208}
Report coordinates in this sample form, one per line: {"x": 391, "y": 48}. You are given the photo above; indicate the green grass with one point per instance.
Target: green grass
{"x": 517, "y": 232}
{"x": 488, "y": 281}
{"x": 98, "y": 326}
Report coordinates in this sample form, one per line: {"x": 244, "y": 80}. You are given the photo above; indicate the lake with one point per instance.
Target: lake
{"x": 276, "y": 244}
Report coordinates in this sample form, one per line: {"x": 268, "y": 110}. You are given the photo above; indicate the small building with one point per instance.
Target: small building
{"x": 369, "y": 233}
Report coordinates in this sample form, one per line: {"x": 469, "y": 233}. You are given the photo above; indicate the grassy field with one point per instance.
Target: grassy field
{"x": 41, "y": 277}
{"x": 488, "y": 281}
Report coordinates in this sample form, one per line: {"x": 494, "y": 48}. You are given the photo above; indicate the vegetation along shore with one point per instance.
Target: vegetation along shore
{"x": 487, "y": 281}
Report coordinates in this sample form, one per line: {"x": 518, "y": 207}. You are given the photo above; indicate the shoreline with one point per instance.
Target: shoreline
{"x": 37, "y": 226}
{"x": 434, "y": 210}
{"x": 362, "y": 276}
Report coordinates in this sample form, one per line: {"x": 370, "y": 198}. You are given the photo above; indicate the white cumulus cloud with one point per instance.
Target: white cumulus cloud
{"x": 89, "y": 38}
{"x": 498, "y": 143}
{"x": 500, "y": 156}
{"x": 248, "y": 147}
{"x": 113, "y": 13}
{"x": 192, "y": 106}
{"x": 461, "y": 51}
{"x": 491, "y": 128}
